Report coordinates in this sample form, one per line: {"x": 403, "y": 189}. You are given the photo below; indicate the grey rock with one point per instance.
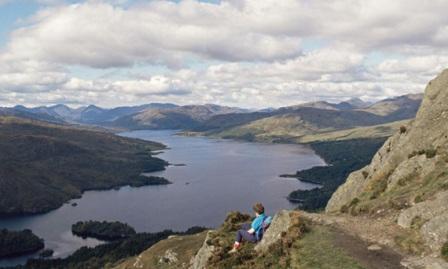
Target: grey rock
{"x": 424, "y": 263}
{"x": 435, "y": 232}
{"x": 428, "y": 131}
{"x": 425, "y": 210}
{"x": 169, "y": 257}
{"x": 280, "y": 224}
{"x": 200, "y": 260}
{"x": 347, "y": 192}
{"x": 374, "y": 247}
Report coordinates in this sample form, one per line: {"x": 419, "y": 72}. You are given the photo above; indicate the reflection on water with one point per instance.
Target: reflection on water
{"x": 218, "y": 176}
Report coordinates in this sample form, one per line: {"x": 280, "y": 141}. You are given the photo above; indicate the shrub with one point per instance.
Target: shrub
{"x": 402, "y": 129}
{"x": 365, "y": 174}
{"x": 445, "y": 251}
{"x": 410, "y": 242}
{"x": 354, "y": 202}
{"x": 417, "y": 222}
{"x": 421, "y": 152}
{"x": 418, "y": 199}
{"x": 444, "y": 186}
{"x": 378, "y": 188}
{"x": 430, "y": 153}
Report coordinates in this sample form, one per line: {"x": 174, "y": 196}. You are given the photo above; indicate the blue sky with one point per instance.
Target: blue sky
{"x": 242, "y": 53}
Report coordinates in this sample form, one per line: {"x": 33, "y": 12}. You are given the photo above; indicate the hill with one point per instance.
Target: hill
{"x": 298, "y": 124}
{"x": 183, "y": 117}
{"x": 23, "y": 113}
{"x": 43, "y": 165}
{"x": 88, "y": 114}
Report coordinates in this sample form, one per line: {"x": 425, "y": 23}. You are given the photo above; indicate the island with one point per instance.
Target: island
{"x": 103, "y": 230}
{"x": 17, "y": 243}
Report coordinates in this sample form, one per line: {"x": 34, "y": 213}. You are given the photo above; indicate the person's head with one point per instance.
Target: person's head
{"x": 258, "y": 209}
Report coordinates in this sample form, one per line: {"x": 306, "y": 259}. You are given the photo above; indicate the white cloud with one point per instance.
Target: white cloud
{"x": 251, "y": 53}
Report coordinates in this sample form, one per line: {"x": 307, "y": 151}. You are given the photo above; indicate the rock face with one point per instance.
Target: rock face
{"x": 205, "y": 252}
{"x": 411, "y": 167}
{"x": 280, "y": 224}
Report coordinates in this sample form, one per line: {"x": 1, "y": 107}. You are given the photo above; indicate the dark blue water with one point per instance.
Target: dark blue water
{"x": 219, "y": 176}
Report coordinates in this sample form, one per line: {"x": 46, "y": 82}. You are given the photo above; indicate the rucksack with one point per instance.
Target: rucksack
{"x": 264, "y": 226}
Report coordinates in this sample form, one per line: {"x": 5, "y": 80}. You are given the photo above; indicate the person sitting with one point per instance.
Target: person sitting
{"x": 251, "y": 232}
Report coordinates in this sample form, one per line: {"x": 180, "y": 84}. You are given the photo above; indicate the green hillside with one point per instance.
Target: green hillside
{"x": 44, "y": 165}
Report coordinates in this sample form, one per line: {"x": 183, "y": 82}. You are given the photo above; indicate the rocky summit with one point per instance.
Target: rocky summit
{"x": 408, "y": 176}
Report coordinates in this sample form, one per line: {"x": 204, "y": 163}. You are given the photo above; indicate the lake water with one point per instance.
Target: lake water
{"x": 218, "y": 176}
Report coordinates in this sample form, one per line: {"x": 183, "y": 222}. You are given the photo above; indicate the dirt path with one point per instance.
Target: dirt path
{"x": 377, "y": 257}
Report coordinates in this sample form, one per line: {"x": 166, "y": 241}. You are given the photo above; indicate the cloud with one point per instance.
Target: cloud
{"x": 246, "y": 52}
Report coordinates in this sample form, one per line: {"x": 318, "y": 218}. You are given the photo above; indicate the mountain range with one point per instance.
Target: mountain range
{"x": 233, "y": 122}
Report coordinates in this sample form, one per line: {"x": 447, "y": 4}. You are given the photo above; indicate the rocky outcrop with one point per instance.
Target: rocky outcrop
{"x": 280, "y": 225}
{"x": 200, "y": 260}
{"x": 406, "y": 150}
{"x": 409, "y": 173}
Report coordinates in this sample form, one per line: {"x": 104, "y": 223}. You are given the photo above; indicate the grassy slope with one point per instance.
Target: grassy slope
{"x": 43, "y": 165}
{"x": 183, "y": 248}
{"x": 376, "y": 131}
{"x": 291, "y": 130}
{"x": 304, "y": 245}
{"x": 317, "y": 250}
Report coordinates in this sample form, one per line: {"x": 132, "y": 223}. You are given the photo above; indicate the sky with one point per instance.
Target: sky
{"x": 246, "y": 53}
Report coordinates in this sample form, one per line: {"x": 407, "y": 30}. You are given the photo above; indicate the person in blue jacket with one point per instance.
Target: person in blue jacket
{"x": 249, "y": 231}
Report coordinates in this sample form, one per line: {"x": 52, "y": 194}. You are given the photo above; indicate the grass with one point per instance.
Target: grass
{"x": 411, "y": 242}
{"x": 317, "y": 251}
{"x": 444, "y": 251}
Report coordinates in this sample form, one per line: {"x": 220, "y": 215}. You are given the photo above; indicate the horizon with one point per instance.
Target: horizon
{"x": 232, "y": 53}
{"x": 212, "y": 104}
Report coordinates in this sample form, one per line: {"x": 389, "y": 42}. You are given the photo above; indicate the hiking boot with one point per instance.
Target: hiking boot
{"x": 235, "y": 248}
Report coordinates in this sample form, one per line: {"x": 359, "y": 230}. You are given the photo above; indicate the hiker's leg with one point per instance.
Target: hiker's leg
{"x": 239, "y": 236}
{"x": 246, "y": 226}
{"x": 244, "y": 235}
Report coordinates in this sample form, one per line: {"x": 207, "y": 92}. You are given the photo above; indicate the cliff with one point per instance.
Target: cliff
{"x": 408, "y": 177}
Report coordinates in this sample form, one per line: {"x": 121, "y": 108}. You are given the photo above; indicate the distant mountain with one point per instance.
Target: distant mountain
{"x": 90, "y": 114}
{"x": 182, "y": 117}
{"x": 291, "y": 123}
{"x": 357, "y": 103}
{"x": 214, "y": 117}
{"x": 397, "y": 108}
{"x": 318, "y": 104}
{"x": 22, "y": 112}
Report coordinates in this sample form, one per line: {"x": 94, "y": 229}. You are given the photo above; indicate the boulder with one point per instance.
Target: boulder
{"x": 280, "y": 225}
